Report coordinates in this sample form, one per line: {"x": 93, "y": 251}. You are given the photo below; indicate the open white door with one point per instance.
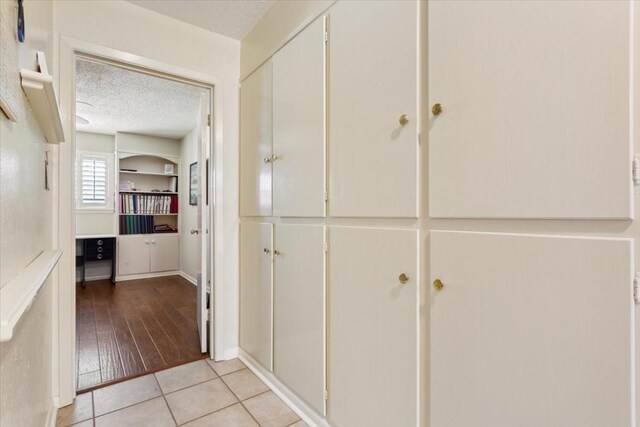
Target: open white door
{"x": 203, "y": 221}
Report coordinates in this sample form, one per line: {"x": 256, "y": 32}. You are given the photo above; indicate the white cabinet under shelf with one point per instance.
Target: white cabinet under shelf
{"x": 147, "y": 253}
{"x": 256, "y": 292}
{"x": 164, "y": 252}
{"x": 298, "y": 310}
{"x": 133, "y": 254}
{"x": 372, "y": 323}
{"x": 531, "y": 330}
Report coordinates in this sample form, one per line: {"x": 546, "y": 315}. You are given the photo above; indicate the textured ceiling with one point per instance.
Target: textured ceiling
{"x": 231, "y": 18}
{"x": 127, "y": 101}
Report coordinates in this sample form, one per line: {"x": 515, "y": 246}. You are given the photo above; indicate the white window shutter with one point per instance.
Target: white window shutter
{"x": 94, "y": 181}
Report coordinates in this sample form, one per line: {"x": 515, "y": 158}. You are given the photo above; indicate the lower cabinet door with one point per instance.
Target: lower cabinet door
{"x": 373, "y": 321}
{"x": 256, "y": 296}
{"x": 133, "y": 254}
{"x": 164, "y": 252}
{"x": 299, "y": 289}
{"x": 531, "y": 331}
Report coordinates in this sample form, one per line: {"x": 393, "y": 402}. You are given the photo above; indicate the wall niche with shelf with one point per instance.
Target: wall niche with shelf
{"x": 148, "y": 194}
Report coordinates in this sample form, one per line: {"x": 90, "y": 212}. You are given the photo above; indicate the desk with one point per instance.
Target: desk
{"x": 97, "y": 248}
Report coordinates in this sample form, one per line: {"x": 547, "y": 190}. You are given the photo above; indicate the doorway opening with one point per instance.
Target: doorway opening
{"x": 143, "y": 197}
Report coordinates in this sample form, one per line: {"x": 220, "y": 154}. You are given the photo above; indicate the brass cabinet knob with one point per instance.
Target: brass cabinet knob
{"x": 403, "y": 278}
{"x": 404, "y": 119}
{"x": 436, "y": 109}
{"x": 267, "y": 159}
{"x": 437, "y": 285}
{"x": 266, "y": 251}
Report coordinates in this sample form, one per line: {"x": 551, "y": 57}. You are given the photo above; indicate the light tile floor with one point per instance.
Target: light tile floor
{"x": 202, "y": 393}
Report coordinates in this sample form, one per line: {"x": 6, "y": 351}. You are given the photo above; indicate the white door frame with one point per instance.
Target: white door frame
{"x": 64, "y": 321}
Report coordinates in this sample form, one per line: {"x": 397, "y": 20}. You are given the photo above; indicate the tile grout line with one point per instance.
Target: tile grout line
{"x": 241, "y": 403}
{"x": 228, "y": 373}
{"x": 128, "y": 406}
{"x": 166, "y": 402}
{"x": 93, "y": 411}
{"x": 133, "y": 404}
{"x": 209, "y": 413}
{"x": 146, "y": 400}
{"x": 164, "y": 397}
{"x": 189, "y": 386}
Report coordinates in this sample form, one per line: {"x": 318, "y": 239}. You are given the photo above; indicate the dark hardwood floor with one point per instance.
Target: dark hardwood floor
{"x": 134, "y": 328}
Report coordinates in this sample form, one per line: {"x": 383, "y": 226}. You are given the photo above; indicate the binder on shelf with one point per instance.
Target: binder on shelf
{"x": 148, "y": 204}
{"x": 142, "y": 224}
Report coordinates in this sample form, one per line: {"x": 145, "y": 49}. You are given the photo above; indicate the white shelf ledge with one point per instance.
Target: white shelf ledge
{"x": 95, "y": 236}
{"x": 42, "y": 97}
{"x": 18, "y": 294}
{"x": 148, "y": 173}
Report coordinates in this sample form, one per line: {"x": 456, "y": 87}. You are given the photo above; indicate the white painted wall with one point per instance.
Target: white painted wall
{"x": 25, "y": 223}
{"x": 129, "y": 28}
{"x": 189, "y": 259}
{"x": 25, "y": 217}
{"x": 95, "y": 142}
{"x": 147, "y": 144}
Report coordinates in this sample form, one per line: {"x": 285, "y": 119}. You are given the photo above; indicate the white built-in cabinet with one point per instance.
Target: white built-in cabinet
{"x": 529, "y": 116}
{"x": 282, "y": 131}
{"x": 256, "y": 292}
{"x": 373, "y": 323}
{"x": 255, "y": 143}
{"x": 298, "y": 125}
{"x": 282, "y": 291}
{"x": 536, "y": 109}
{"x": 531, "y": 330}
{"x": 298, "y": 304}
{"x": 147, "y": 253}
{"x": 373, "y": 120}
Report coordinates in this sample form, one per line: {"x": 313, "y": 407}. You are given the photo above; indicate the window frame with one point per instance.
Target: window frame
{"x": 109, "y": 205}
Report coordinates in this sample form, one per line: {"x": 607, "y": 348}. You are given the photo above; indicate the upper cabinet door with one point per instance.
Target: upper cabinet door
{"x": 255, "y": 143}
{"x": 298, "y": 310}
{"x": 299, "y": 125}
{"x": 373, "y": 143}
{"x": 535, "y": 100}
{"x": 373, "y": 327}
{"x": 256, "y": 295}
{"x": 531, "y": 331}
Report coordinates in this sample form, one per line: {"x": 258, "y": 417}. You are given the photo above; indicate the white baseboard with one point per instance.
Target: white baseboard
{"x": 189, "y": 278}
{"x": 304, "y": 411}
{"x": 52, "y": 416}
{"x": 146, "y": 275}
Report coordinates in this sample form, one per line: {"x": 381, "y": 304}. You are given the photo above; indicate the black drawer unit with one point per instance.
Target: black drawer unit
{"x": 98, "y": 249}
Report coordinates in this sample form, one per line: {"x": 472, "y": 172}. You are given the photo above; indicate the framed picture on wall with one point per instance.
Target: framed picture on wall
{"x": 193, "y": 184}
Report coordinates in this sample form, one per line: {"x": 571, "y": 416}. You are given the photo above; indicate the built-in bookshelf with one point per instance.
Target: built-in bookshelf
{"x": 148, "y": 194}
